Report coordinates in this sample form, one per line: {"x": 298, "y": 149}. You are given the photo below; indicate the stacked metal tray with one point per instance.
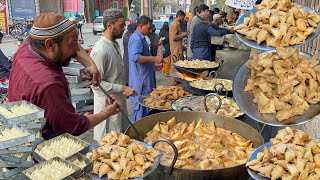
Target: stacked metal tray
{"x": 22, "y": 119}
{"x": 39, "y": 158}
{"x": 8, "y": 157}
{"x": 15, "y": 154}
{"x": 76, "y": 174}
{"x": 88, "y": 163}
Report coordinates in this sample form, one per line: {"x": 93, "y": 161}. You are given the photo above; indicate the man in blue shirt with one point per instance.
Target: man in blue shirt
{"x": 200, "y": 39}
{"x": 142, "y": 76}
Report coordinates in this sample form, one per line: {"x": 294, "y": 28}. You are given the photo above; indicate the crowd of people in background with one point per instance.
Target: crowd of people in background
{"x": 180, "y": 38}
{"x": 123, "y": 76}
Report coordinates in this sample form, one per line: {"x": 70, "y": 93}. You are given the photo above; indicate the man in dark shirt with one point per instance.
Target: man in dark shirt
{"x": 36, "y": 75}
{"x": 130, "y": 30}
{"x": 5, "y": 64}
{"x": 200, "y": 39}
{"x": 184, "y": 24}
{"x": 154, "y": 40}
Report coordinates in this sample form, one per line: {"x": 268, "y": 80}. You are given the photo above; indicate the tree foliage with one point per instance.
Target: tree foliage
{"x": 157, "y": 3}
{"x": 137, "y": 4}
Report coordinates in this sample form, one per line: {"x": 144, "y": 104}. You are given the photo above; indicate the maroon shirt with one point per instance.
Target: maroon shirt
{"x": 38, "y": 80}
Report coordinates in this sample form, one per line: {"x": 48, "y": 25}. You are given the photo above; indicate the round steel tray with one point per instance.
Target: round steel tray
{"x": 245, "y": 102}
{"x": 263, "y": 46}
{"x": 140, "y": 101}
{"x": 146, "y": 173}
{"x": 254, "y": 174}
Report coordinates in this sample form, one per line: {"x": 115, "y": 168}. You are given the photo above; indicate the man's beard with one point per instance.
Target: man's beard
{"x": 116, "y": 34}
{"x": 63, "y": 62}
{"x": 67, "y": 61}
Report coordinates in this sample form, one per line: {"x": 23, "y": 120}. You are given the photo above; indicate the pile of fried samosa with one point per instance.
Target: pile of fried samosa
{"x": 161, "y": 97}
{"x": 292, "y": 155}
{"x": 284, "y": 82}
{"x": 279, "y": 23}
{"x": 120, "y": 157}
{"x": 200, "y": 145}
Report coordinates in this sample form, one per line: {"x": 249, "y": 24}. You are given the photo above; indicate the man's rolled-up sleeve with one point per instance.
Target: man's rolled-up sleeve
{"x": 135, "y": 49}
{"x": 60, "y": 113}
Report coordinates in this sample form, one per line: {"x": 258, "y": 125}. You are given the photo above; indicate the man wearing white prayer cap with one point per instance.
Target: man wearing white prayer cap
{"x": 36, "y": 75}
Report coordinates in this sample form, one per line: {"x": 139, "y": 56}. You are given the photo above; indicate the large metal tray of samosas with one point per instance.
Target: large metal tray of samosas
{"x": 246, "y": 104}
{"x": 263, "y": 46}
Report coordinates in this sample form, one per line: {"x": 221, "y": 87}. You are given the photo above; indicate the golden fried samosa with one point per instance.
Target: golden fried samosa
{"x": 309, "y": 31}
{"x": 276, "y": 33}
{"x": 296, "y": 13}
{"x": 296, "y": 40}
{"x": 274, "y": 19}
{"x": 263, "y": 14}
{"x": 272, "y": 41}
{"x": 283, "y": 16}
{"x": 303, "y": 11}
{"x": 262, "y": 36}
{"x": 240, "y": 26}
{"x": 284, "y": 27}
{"x": 290, "y": 20}
{"x": 301, "y": 24}
{"x": 277, "y": 172}
{"x": 103, "y": 169}
{"x": 96, "y": 167}
{"x": 312, "y": 23}
{"x": 253, "y": 20}
{"x": 246, "y": 21}
{"x": 317, "y": 160}
{"x": 172, "y": 122}
{"x": 266, "y": 170}
{"x": 252, "y": 34}
{"x": 316, "y": 18}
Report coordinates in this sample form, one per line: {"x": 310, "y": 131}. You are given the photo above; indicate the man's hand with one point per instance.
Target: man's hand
{"x": 128, "y": 91}
{"x": 93, "y": 70}
{"x": 111, "y": 108}
{"x": 186, "y": 34}
{"x": 157, "y": 59}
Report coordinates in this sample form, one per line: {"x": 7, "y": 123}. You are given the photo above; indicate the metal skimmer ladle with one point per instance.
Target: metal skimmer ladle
{"x": 126, "y": 117}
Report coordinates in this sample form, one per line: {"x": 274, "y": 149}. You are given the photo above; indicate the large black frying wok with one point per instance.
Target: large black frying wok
{"x": 146, "y": 124}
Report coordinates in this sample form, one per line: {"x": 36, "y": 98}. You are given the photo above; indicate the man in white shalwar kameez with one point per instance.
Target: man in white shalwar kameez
{"x": 107, "y": 56}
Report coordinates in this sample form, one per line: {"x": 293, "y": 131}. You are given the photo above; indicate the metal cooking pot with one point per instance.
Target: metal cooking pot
{"x": 146, "y": 124}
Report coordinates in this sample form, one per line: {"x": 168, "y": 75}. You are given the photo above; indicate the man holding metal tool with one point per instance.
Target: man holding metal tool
{"x": 142, "y": 77}
{"x": 36, "y": 76}
{"x": 107, "y": 56}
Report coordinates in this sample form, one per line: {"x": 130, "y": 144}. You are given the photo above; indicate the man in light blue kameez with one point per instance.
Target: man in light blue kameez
{"x": 141, "y": 66}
